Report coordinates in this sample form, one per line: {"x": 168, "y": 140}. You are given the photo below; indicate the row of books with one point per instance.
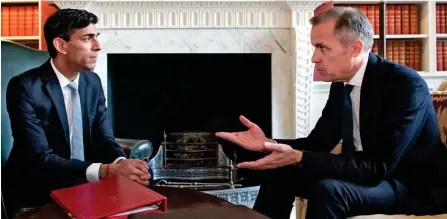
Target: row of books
{"x": 405, "y": 52}
{"x": 400, "y": 19}
{"x": 441, "y": 17}
{"x": 441, "y": 55}
{"x": 20, "y": 20}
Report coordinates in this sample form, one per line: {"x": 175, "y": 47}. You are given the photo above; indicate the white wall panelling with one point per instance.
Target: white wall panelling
{"x": 254, "y": 26}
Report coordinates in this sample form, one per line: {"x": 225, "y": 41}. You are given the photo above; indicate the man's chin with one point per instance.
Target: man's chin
{"x": 89, "y": 68}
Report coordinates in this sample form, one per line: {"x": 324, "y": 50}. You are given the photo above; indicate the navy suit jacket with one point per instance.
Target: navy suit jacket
{"x": 398, "y": 129}
{"x": 40, "y": 158}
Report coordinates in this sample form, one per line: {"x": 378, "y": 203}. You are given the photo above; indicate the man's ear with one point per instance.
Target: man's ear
{"x": 357, "y": 48}
{"x": 60, "y": 45}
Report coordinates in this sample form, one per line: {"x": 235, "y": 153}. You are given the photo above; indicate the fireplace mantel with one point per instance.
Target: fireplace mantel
{"x": 254, "y": 26}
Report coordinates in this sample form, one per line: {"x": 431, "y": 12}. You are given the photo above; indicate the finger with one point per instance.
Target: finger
{"x": 145, "y": 177}
{"x": 142, "y": 162}
{"x": 143, "y": 182}
{"x": 133, "y": 177}
{"x": 258, "y": 164}
{"x": 138, "y": 172}
{"x": 134, "y": 161}
{"x": 230, "y": 136}
{"x": 269, "y": 146}
{"x": 143, "y": 167}
{"x": 246, "y": 122}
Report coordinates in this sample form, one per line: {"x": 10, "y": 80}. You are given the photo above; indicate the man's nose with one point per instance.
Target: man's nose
{"x": 96, "y": 45}
{"x": 315, "y": 57}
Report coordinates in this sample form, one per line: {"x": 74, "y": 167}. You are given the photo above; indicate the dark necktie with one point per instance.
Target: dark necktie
{"x": 348, "y": 141}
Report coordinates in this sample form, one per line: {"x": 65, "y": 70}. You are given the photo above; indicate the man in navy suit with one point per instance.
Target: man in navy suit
{"x": 392, "y": 160}
{"x": 58, "y": 113}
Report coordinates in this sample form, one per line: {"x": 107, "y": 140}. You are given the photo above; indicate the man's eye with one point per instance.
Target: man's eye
{"x": 86, "y": 39}
{"x": 322, "y": 49}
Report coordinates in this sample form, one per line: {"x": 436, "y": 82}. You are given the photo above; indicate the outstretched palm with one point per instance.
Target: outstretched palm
{"x": 253, "y": 139}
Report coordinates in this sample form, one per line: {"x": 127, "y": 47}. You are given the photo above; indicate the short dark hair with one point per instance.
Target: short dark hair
{"x": 351, "y": 24}
{"x": 63, "y": 23}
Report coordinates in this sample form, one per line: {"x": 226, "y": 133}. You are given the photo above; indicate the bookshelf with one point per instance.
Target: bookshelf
{"x": 416, "y": 40}
{"x": 22, "y": 21}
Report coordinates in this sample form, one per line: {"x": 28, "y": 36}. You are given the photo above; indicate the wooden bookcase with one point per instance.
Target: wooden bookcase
{"x": 425, "y": 34}
{"x": 22, "y": 21}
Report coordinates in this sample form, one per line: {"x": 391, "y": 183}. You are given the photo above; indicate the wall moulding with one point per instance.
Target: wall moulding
{"x": 197, "y": 14}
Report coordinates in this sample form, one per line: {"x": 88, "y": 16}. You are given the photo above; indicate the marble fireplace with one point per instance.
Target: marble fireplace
{"x": 278, "y": 27}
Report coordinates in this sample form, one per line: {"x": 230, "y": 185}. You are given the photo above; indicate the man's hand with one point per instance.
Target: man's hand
{"x": 136, "y": 170}
{"x": 253, "y": 139}
{"x": 281, "y": 155}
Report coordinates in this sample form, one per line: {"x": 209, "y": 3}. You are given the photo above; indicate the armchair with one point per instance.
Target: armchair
{"x": 15, "y": 59}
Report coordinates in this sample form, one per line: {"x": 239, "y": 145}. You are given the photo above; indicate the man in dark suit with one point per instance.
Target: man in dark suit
{"x": 392, "y": 160}
{"x": 58, "y": 113}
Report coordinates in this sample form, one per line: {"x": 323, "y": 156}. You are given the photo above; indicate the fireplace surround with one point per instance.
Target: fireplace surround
{"x": 254, "y": 26}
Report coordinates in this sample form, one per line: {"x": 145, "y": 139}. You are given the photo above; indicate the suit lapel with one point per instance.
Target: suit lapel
{"x": 55, "y": 92}
{"x": 83, "y": 94}
{"x": 367, "y": 95}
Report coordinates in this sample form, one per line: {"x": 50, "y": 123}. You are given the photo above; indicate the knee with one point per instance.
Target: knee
{"x": 327, "y": 190}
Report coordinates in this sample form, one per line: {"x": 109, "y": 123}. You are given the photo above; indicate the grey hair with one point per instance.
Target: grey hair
{"x": 351, "y": 24}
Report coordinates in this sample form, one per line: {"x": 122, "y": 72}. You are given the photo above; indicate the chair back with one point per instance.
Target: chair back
{"x": 440, "y": 104}
{"x": 15, "y": 59}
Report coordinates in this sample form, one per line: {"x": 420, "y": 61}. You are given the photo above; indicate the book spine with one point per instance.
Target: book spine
{"x": 438, "y": 18}
{"x": 397, "y": 19}
{"x": 13, "y": 20}
{"x": 444, "y": 55}
{"x": 405, "y": 19}
{"x": 5, "y": 20}
{"x": 371, "y": 17}
{"x": 389, "y": 52}
{"x": 417, "y": 55}
{"x": 412, "y": 55}
{"x": 442, "y": 16}
{"x": 391, "y": 21}
{"x": 414, "y": 19}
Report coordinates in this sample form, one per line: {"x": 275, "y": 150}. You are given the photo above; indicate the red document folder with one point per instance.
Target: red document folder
{"x": 107, "y": 197}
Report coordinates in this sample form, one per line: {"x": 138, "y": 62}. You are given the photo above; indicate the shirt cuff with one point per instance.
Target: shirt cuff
{"x": 92, "y": 173}
{"x": 118, "y": 159}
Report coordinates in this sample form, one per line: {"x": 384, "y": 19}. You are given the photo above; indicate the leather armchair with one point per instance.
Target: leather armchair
{"x": 15, "y": 59}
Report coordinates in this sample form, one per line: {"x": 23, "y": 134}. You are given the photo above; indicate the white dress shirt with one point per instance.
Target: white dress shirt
{"x": 356, "y": 81}
{"x": 92, "y": 173}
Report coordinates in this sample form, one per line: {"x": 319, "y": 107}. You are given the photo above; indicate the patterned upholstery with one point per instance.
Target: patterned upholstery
{"x": 440, "y": 104}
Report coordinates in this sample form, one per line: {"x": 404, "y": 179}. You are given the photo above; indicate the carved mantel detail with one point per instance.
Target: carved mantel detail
{"x": 199, "y": 14}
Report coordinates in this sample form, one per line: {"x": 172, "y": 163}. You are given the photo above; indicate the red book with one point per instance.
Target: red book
{"x": 107, "y": 197}
{"x": 405, "y": 15}
{"x": 398, "y": 19}
{"x": 442, "y": 18}
{"x": 438, "y": 19}
{"x": 390, "y": 20}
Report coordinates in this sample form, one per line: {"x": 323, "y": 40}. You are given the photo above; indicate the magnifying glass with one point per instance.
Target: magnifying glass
{"x": 142, "y": 150}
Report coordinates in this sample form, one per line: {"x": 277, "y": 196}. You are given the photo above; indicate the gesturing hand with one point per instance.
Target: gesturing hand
{"x": 136, "y": 170}
{"x": 281, "y": 155}
{"x": 253, "y": 139}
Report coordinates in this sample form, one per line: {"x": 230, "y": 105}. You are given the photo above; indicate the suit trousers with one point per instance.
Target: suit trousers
{"x": 327, "y": 198}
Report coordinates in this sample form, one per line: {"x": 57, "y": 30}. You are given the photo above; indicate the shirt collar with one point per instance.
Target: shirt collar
{"x": 63, "y": 81}
{"x": 358, "y": 77}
